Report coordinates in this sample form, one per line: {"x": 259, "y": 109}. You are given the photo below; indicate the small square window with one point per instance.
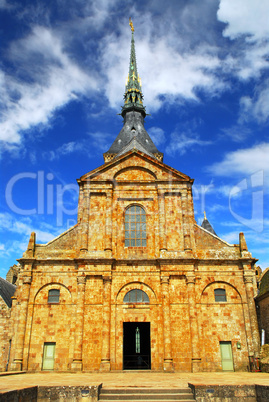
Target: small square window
{"x": 54, "y": 296}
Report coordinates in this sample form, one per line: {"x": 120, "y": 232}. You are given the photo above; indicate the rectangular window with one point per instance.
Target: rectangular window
{"x": 54, "y": 296}
{"x": 220, "y": 295}
{"x": 135, "y": 227}
{"x": 48, "y": 356}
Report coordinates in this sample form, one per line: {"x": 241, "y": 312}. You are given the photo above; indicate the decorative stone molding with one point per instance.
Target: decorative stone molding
{"x": 27, "y": 279}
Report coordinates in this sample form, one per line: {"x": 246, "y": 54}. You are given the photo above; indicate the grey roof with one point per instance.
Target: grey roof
{"x": 133, "y": 127}
{"x": 7, "y": 290}
{"x": 264, "y": 284}
{"x": 206, "y": 225}
{"x": 135, "y": 144}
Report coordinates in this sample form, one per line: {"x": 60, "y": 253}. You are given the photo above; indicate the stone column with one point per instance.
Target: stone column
{"x": 185, "y": 221}
{"x": 105, "y": 358}
{"x": 168, "y": 361}
{"x": 85, "y": 222}
{"x": 108, "y": 235}
{"x": 77, "y": 364}
{"x": 195, "y": 344}
{"x": 162, "y": 231}
{"x": 252, "y": 314}
{"x": 17, "y": 363}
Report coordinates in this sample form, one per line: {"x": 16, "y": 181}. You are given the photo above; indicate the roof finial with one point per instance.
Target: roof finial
{"x": 131, "y": 24}
{"x": 204, "y": 215}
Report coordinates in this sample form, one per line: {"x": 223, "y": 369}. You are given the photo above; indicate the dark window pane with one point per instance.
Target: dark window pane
{"x": 54, "y": 296}
{"x": 220, "y": 295}
{"x": 136, "y": 296}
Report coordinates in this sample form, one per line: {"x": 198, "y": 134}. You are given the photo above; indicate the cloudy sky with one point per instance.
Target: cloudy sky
{"x": 205, "y": 78}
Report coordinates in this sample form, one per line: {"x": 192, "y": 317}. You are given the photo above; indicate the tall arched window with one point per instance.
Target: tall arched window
{"x": 136, "y": 296}
{"x": 135, "y": 227}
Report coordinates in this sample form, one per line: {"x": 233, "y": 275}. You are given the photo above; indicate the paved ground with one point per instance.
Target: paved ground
{"x": 129, "y": 379}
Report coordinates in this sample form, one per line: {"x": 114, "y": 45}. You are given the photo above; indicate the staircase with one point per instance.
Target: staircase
{"x": 146, "y": 394}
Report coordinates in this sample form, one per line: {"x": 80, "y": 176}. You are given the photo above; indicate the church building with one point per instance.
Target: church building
{"x": 136, "y": 284}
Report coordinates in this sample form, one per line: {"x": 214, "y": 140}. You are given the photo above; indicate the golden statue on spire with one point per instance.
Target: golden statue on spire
{"x": 131, "y": 24}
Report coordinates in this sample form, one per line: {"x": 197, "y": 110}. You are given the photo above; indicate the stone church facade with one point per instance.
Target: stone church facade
{"x": 136, "y": 283}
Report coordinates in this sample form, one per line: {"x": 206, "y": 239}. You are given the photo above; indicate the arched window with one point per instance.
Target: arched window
{"x": 135, "y": 227}
{"x": 54, "y": 296}
{"x": 220, "y": 295}
{"x": 136, "y": 296}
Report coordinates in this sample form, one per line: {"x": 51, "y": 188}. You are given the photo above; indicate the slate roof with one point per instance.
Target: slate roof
{"x": 206, "y": 225}
{"x": 264, "y": 284}
{"x": 7, "y": 290}
{"x": 133, "y": 127}
{"x": 135, "y": 144}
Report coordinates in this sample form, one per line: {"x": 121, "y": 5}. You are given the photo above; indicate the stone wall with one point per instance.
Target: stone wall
{"x": 5, "y": 334}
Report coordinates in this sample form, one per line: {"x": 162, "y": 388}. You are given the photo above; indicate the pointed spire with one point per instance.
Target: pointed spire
{"x": 206, "y": 225}
{"x": 133, "y": 97}
{"x": 133, "y": 134}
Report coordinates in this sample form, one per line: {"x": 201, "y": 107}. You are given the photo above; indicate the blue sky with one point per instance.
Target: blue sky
{"x": 204, "y": 69}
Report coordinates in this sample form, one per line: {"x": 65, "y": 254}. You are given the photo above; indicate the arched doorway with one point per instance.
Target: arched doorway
{"x": 136, "y": 336}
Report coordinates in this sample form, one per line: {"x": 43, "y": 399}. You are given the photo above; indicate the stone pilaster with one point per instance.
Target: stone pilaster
{"x": 252, "y": 313}
{"x": 108, "y": 234}
{"x": 85, "y": 222}
{"x": 168, "y": 361}
{"x": 17, "y": 363}
{"x": 195, "y": 344}
{"x": 77, "y": 364}
{"x": 105, "y": 359}
{"x": 185, "y": 221}
{"x": 80, "y": 203}
{"x": 162, "y": 231}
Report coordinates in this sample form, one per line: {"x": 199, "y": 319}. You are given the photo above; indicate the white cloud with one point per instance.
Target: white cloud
{"x": 243, "y": 161}
{"x": 164, "y": 70}
{"x": 52, "y": 82}
{"x": 157, "y": 135}
{"x": 181, "y": 142}
{"x": 4, "y": 5}
{"x": 257, "y": 107}
{"x": 245, "y": 17}
{"x": 24, "y": 227}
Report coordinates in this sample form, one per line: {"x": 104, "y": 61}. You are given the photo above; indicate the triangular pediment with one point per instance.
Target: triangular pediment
{"x": 138, "y": 166}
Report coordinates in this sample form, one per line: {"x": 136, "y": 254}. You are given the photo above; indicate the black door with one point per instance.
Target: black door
{"x": 136, "y": 346}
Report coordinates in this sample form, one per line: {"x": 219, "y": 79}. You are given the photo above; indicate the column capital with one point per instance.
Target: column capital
{"x": 248, "y": 279}
{"x": 165, "y": 279}
{"x": 190, "y": 279}
{"x": 109, "y": 193}
{"x": 107, "y": 278}
{"x": 81, "y": 280}
{"x": 27, "y": 280}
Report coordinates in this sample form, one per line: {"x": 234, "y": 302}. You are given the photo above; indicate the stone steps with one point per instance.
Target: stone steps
{"x": 146, "y": 394}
